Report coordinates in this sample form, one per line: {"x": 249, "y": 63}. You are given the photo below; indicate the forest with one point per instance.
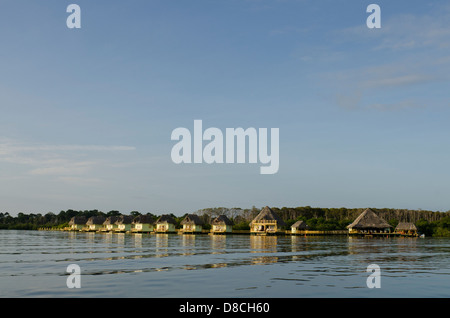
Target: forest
{"x": 430, "y": 223}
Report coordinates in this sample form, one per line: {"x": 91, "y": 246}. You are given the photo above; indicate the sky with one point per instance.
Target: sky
{"x": 86, "y": 115}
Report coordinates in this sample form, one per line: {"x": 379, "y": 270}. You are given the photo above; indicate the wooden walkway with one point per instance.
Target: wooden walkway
{"x": 310, "y": 232}
{"x": 247, "y": 232}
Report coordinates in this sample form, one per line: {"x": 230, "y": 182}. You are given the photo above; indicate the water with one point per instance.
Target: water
{"x": 34, "y": 264}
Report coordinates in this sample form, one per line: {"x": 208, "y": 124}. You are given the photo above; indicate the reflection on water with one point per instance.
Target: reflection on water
{"x": 329, "y": 265}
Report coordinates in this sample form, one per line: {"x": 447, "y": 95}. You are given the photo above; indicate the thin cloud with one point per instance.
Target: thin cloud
{"x": 408, "y": 32}
{"x": 80, "y": 181}
{"x": 413, "y": 54}
{"x": 402, "y": 32}
{"x": 404, "y": 104}
{"x": 399, "y": 80}
{"x": 68, "y": 168}
{"x": 55, "y": 160}
{"x": 17, "y": 148}
{"x": 288, "y": 30}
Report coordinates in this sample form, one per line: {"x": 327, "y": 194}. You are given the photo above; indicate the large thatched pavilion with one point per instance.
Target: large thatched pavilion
{"x": 369, "y": 222}
{"x": 266, "y": 222}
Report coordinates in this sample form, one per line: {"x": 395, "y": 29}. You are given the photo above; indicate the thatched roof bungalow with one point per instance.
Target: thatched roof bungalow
{"x": 95, "y": 223}
{"x": 299, "y": 226}
{"x": 192, "y": 224}
{"x": 369, "y": 222}
{"x": 406, "y": 228}
{"x": 221, "y": 224}
{"x": 77, "y": 223}
{"x": 165, "y": 224}
{"x": 123, "y": 223}
{"x": 143, "y": 223}
{"x": 110, "y": 223}
{"x": 266, "y": 222}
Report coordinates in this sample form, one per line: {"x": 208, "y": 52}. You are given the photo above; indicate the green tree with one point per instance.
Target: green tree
{"x": 425, "y": 227}
{"x": 113, "y": 213}
{"x": 135, "y": 213}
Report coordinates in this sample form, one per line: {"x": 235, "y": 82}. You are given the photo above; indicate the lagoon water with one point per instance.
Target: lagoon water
{"x": 34, "y": 264}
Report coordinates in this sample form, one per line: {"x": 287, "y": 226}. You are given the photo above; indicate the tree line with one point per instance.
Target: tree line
{"x": 327, "y": 219}
{"x": 428, "y": 222}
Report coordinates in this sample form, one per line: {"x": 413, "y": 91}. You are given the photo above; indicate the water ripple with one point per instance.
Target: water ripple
{"x": 319, "y": 265}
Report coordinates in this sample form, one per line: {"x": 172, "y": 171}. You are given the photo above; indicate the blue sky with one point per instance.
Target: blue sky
{"x": 87, "y": 114}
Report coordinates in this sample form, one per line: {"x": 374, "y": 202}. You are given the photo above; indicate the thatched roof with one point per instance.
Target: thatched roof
{"x": 269, "y": 215}
{"x": 124, "y": 219}
{"x": 165, "y": 218}
{"x": 95, "y": 220}
{"x": 405, "y": 226}
{"x": 300, "y": 225}
{"x": 77, "y": 220}
{"x": 192, "y": 219}
{"x": 369, "y": 220}
{"x": 143, "y": 219}
{"x": 110, "y": 220}
{"x": 222, "y": 220}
